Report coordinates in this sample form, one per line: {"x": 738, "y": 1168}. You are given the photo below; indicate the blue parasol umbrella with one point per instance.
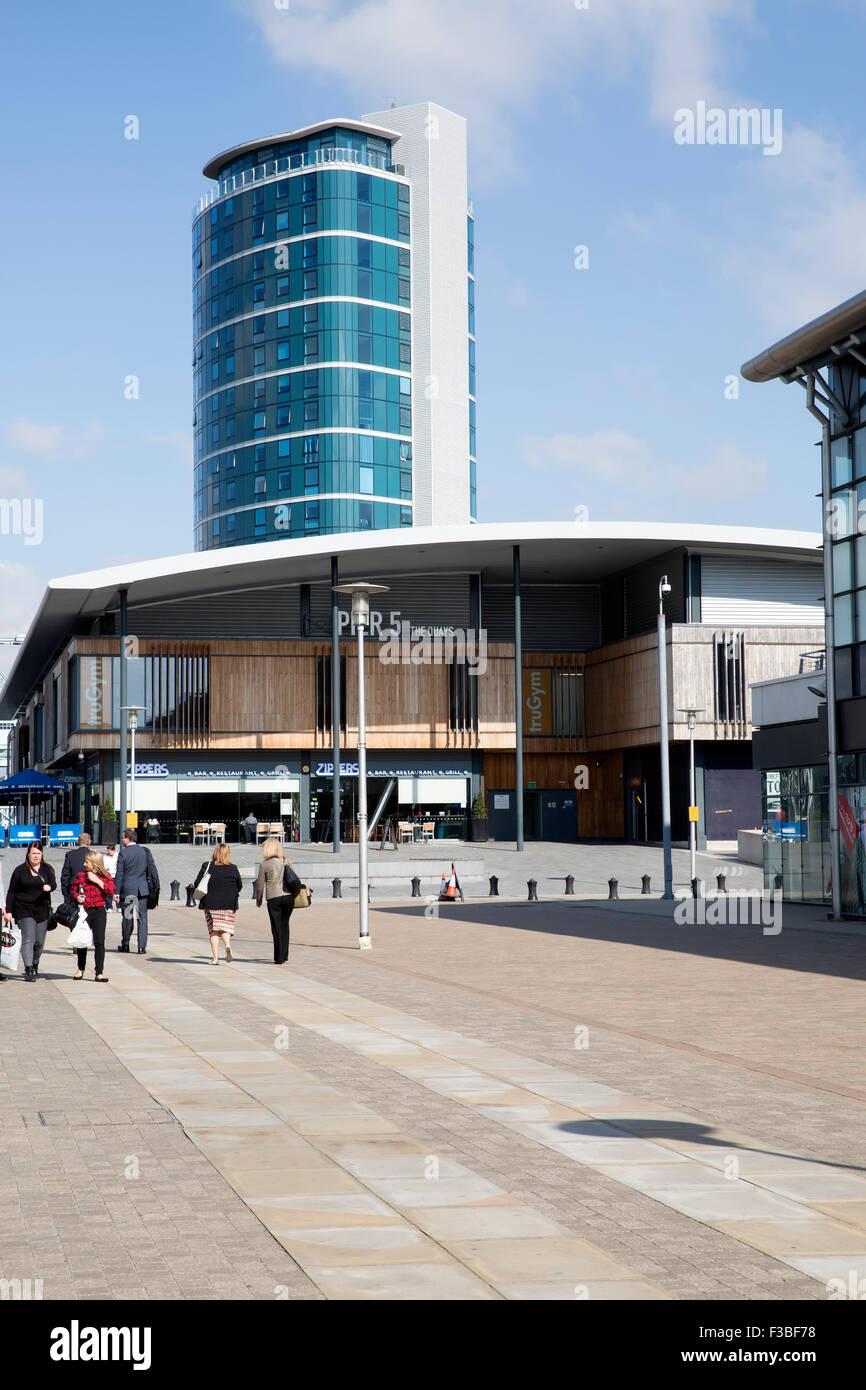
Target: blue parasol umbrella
{"x": 28, "y": 782}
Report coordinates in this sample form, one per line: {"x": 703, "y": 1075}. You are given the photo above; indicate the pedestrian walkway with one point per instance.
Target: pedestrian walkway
{"x": 505, "y": 1102}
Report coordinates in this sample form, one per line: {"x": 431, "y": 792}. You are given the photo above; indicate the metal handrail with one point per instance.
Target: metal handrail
{"x": 289, "y": 163}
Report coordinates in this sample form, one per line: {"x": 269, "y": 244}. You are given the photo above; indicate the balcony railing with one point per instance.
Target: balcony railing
{"x": 813, "y": 661}
{"x": 236, "y": 183}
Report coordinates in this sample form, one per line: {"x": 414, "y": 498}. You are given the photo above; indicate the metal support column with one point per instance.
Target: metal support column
{"x": 830, "y": 663}
{"x": 664, "y": 588}
{"x": 336, "y": 685}
{"x": 124, "y": 715}
{"x": 518, "y": 701}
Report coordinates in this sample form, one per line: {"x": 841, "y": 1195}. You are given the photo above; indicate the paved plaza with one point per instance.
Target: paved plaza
{"x": 507, "y": 1100}
{"x": 591, "y": 865}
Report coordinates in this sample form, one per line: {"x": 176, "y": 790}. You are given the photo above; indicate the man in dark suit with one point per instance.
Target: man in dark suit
{"x": 133, "y": 889}
{"x": 73, "y": 863}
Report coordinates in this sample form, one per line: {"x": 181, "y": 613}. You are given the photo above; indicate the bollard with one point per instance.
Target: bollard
{"x": 612, "y": 888}
{"x": 532, "y": 885}
{"x": 336, "y": 888}
{"x": 494, "y": 887}
{"x": 253, "y": 893}
{"x": 721, "y": 883}
{"x": 569, "y": 885}
{"x": 190, "y": 900}
{"x": 645, "y": 885}
{"x": 696, "y": 888}
{"x": 175, "y": 891}
{"x": 416, "y": 887}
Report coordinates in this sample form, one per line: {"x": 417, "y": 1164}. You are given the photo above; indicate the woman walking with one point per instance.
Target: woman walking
{"x": 91, "y": 888}
{"x": 220, "y": 902}
{"x": 276, "y": 875}
{"x": 28, "y": 902}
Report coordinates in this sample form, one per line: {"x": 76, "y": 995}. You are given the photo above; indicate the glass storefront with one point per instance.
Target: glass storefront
{"x": 852, "y": 828}
{"x": 797, "y": 833}
{"x": 416, "y": 806}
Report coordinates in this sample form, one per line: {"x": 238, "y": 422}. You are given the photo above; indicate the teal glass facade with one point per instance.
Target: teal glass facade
{"x": 302, "y": 343}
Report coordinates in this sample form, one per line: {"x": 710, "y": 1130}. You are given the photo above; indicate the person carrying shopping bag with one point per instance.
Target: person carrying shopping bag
{"x": 278, "y": 883}
{"x": 220, "y": 902}
{"x": 89, "y": 888}
{"x": 28, "y": 904}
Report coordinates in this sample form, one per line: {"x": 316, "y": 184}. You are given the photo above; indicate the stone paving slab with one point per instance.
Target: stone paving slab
{"x": 112, "y": 1200}
{"x": 484, "y": 1011}
{"x": 141, "y": 1005}
{"x": 726, "y": 1202}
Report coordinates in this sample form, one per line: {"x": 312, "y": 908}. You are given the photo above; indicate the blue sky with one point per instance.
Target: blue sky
{"x": 602, "y": 387}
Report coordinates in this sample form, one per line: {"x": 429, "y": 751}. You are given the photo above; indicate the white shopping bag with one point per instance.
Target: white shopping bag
{"x": 10, "y": 946}
{"x": 10, "y": 938}
{"x": 81, "y": 937}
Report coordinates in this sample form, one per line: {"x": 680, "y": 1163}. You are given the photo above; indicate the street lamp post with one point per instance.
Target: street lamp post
{"x": 360, "y": 594}
{"x": 692, "y": 716}
{"x": 664, "y": 588}
{"x": 133, "y": 711}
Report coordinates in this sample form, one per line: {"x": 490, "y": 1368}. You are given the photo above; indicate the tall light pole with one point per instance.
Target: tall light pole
{"x": 692, "y": 716}
{"x": 361, "y": 617}
{"x": 133, "y": 711}
{"x": 664, "y": 588}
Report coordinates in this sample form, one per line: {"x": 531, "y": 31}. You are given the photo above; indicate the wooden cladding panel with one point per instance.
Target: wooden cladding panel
{"x": 262, "y": 693}
{"x": 406, "y": 701}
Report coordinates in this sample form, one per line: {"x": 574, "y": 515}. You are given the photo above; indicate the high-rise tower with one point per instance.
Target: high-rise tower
{"x": 334, "y": 335}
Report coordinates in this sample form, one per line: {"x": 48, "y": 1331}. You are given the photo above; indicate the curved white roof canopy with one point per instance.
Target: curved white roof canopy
{"x": 550, "y": 553}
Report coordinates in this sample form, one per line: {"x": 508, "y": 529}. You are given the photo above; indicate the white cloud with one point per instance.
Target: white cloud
{"x": 489, "y": 59}
{"x": 51, "y": 440}
{"x": 622, "y": 461}
{"x": 795, "y": 243}
{"x": 518, "y": 296}
{"x": 14, "y": 483}
{"x": 21, "y": 590}
{"x": 173, "y": 439}
{"x": 34, "y": 439}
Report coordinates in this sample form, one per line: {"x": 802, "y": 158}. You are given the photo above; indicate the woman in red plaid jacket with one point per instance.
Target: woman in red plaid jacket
{"x": 90, "y": 888}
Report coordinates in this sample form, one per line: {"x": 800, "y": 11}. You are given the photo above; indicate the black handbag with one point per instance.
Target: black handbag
{"x": 67, "y": 915}
{"x": 291, "y": 883}
{"x": 51, "y": 923}
{"x": 152, "y": 882}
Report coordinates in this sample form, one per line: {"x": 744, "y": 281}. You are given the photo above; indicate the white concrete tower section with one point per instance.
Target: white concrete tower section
{"x": 432, "y": 146}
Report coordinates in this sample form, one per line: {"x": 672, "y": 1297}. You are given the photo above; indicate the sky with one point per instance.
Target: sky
{"x": 623, "y": 276}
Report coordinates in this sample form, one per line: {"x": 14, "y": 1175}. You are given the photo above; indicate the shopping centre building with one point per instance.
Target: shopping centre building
{"x": 231, "y": 657}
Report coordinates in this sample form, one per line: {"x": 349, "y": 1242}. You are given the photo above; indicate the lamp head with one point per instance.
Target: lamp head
{"x": 360, "y": 600}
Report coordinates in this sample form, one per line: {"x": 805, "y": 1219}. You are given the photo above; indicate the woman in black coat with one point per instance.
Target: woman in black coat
{"x": 220, "y": 902}
{"x": 28, "y": 902}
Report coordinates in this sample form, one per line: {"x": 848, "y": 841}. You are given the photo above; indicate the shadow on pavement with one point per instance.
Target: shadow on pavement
{"x": 641, "y": 924}
{"x": 647, "y": 1128}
